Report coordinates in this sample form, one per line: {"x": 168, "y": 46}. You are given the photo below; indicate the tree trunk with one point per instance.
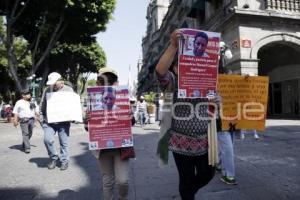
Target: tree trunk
{"x": 11, "y": 59}
{"x": 60, "y": 27}
{"x": 84, "y": 81}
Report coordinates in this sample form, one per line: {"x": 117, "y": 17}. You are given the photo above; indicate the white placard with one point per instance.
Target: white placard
{"x": 63, "y": 106}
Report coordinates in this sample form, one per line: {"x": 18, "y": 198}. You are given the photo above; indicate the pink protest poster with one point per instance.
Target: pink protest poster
{"x": 110, "y": 122}
{"x": 198, "y": 60}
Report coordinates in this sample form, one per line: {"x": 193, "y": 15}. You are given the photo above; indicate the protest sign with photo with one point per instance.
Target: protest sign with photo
{"x": 63, "y": 106}
{"x": 110, "y": 120}
{"x": 198, "y": 60}
{"x": 244, "y": 101}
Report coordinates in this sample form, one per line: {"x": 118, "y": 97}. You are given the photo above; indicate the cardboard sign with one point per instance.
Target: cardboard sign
{"x": 244, "y": 101}
{"x": 110, "y": 118}
{"x": 198, "y": 61}
{"x": 63, "y": 106}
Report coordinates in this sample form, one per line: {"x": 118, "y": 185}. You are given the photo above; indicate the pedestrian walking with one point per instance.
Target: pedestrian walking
{"x": 226, "y": 138}
{"x": 114, "y": 169}
{"x": 2, "y": 108}
{"x": 188, "y": 138}
{"x": 244, "y": 131}
{"x": 8, "y": 112}
{"x": 141, "y": 108}
{"x": 25, "y": 113}
{"x": 226, "y": 155}
{"x": 55, "y": 84}
{"x": 160, "y": 107}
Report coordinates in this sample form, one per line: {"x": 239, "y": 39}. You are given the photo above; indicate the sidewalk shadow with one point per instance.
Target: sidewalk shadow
{"x": 17, "y": 147}
{"x": 34, "y": 193}
{"x": 40, "y": 162}
{"x": 18, "y": 193}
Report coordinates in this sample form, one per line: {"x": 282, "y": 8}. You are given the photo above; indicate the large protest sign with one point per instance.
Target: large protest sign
{"x": 244, "y": 101}
{"x": 110, "y": 121}
{"x": 197, "y": 63}
{"x": 63, "y": 106}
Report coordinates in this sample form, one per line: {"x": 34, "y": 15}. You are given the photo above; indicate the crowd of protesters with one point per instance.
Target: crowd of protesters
{"x": 186, "y": 139}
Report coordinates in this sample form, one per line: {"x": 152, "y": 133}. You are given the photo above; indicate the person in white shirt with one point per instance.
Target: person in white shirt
{"x": 24, "y": 113}
{"x": 141, "y": 109}
{"x": 160, "y": 103}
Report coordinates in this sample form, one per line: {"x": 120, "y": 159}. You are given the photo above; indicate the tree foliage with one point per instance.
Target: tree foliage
{"x": 72, "y": 59}
{"x": 7, "y": 84}
{"x": 47, "y": 23}
{"x": 91, "y": 82}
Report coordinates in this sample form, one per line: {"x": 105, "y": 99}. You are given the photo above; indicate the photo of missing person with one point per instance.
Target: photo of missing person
{"x": 195, "y": 45}
{"x": 105, "y": 100}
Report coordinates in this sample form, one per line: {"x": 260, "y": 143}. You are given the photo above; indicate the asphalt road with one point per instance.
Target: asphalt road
{"x": 267, "y": 168}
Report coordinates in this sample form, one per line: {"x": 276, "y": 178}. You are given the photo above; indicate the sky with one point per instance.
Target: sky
{"x": 122, "y": 39}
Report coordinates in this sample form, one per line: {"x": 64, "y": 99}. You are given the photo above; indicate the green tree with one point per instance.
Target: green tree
{"x": 75, "y": 59}
{"x": 91, "y": 82}
{"x": 43, "y": 23}
{"x": 150, "y": 97}
{"x": 7, "y": 85}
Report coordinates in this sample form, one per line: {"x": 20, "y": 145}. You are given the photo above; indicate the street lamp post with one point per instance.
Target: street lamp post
{"x": 33, "y": 83}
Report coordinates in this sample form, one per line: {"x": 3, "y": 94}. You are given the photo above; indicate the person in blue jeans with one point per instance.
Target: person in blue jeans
{"x": 142, "y": 111}
{"x": 226, "y": 155}
{"x": 225, "y": 138}
{"x": 55, "y": 84}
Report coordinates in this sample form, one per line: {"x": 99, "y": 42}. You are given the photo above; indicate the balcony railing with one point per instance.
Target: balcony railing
{"x": 288, "y": 5}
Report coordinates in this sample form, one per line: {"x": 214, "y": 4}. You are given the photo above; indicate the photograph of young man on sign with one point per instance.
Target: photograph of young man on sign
{"x": 195, "y": 46}
{"x": 197, "y": 63}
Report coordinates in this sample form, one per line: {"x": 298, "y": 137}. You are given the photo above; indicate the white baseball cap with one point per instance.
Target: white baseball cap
{"x": 52, "y": 78}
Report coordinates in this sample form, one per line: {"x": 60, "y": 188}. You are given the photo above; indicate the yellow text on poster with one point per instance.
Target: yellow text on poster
{"x": 244, "y": 101}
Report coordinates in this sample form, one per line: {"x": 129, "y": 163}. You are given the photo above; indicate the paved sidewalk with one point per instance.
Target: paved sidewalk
{"x": 266, "y": 169}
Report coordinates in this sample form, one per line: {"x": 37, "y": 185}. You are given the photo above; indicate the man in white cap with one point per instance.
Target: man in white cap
{"x": 55, "y": 84}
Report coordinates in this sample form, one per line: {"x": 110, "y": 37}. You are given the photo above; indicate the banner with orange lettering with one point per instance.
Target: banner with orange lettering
{"x": 244, "y": 101}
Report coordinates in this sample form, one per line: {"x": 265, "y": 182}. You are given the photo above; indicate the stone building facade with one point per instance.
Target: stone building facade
{"x": 263, "y": 35}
